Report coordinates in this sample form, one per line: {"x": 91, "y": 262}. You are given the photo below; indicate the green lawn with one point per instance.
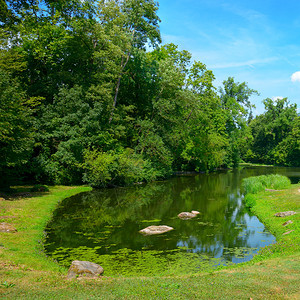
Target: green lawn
{"x": 25, "y": 272}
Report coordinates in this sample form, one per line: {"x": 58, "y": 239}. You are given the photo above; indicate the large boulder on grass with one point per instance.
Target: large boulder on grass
{"x": 151, "y": 230}
{"x": 84, "y": 269}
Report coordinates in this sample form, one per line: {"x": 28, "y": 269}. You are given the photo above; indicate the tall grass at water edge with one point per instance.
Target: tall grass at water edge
{"x": 254, "y": 185}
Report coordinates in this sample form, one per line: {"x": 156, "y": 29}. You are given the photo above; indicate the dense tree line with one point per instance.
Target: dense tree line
{"x": 276, "y": 134}
{"x": 83, "y": 99}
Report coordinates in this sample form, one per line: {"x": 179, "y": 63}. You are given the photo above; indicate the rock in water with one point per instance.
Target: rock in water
{"x": 5, "y": 227}
{"x": 195, "y": 212}
{"x": 151, "y": 230}
{"x": 285, "y": 214}
{"x": 84, "y": 268}
{"x": 187, "y": 215}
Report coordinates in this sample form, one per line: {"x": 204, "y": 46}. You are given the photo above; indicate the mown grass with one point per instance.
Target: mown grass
{"x": 30, "y": 216}
{"x": 267, "y": 203}
{"x": 274, "y": 274}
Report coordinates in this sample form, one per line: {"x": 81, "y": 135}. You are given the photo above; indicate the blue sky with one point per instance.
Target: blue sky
{"x": 253, "y": 41}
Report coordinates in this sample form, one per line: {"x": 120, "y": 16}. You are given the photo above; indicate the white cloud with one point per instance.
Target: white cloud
{"x": 277, "y": 98}
{"x": 296, "y": 77}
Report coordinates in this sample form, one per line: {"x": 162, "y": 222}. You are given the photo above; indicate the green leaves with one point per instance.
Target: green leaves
{"x": 276, "y": 133}
{"x": 113, "y": 169}
{"x": 87, "y": 83}
{"x": 15, "y": 127}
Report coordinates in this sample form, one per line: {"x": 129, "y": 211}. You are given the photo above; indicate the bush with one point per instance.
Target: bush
{"x": 39, "y": 188}
{"x": 116, "y": 169}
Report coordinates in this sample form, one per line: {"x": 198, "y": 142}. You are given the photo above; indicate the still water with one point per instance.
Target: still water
{"x": 103, "y": 226}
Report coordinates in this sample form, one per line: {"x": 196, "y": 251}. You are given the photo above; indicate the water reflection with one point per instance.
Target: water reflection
{"x": 103, "y": 225}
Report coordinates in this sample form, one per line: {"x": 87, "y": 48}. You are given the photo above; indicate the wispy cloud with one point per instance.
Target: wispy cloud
{"x": 250, "y": 63}
{"x": 242, "y": 39}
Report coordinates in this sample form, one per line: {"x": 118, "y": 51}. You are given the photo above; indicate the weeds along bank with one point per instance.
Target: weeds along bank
{"x": 26, "y": 273}
{"x": 268, "y": 196}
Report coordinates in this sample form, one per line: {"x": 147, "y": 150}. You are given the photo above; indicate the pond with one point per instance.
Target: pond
{"x": 103, "y": 226}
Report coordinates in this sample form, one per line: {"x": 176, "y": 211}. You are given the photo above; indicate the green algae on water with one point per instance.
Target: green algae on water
{"x": 127, "y": 262}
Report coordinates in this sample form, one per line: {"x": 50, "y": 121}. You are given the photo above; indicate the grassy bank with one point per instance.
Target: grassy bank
{"x": 27, "y": 274}
{"x": 29, "y": 216}
{"x": 254, "y": 165}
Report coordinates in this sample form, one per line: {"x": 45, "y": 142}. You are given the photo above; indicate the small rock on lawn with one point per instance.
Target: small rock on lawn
{"x": 285, "y": 214}
{"x": 6, "y": 227}
{"x": 287, "y": 223}
{"x": 288, "y": 232}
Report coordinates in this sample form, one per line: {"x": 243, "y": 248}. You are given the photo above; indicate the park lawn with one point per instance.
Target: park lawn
{"x": 26, "y": 273}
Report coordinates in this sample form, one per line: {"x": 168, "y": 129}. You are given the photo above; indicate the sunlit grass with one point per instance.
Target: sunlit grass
{"x": 30, "y": 216}
{"x": 254, "y": 185}
{"x": 25, "y": 272}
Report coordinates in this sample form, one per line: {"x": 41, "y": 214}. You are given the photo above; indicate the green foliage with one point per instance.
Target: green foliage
{"x": 238, "y": 111}
{"x": 254, "y": 185}
{"x": 113, "y": 169}
{"x": 276, "y": 134}
{"x": 39, "y": 188}
{"x": 250, "y": 200}
{"x": 287, "y": 152}
{"x": 87, "y": 80}
{"x": 15, "y": 128}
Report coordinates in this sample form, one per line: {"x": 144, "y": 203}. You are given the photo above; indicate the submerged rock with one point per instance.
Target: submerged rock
{"x": 84, "y": 268}
{"x": 188, "y": 215}
{"x": 6, "y": 227}
{"x": 151, "y": 230}
{"x": 195, "y": 212}
{"x": 285, "y": 214}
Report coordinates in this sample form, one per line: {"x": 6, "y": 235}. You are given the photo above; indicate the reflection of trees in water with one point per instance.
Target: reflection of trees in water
{"x": 111, "y": 218}
{"x": 88, "y": 214}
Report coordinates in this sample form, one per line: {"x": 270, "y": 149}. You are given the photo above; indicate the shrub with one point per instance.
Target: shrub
{"x": 39, "y": 188}
{"x": 118, "y": 169}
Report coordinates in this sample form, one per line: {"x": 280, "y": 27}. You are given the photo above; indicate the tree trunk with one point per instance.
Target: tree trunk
{"x": 189, "y": 116}
{"x": 123, "y": 65}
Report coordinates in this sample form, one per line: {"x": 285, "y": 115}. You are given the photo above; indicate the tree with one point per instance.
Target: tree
{"x": 272, "y": 128}
{"x": 238, "y": 111}
{"x": 139, "y": 22}
{"x": 15, "y": 128}
{"x": 287, "y": 152}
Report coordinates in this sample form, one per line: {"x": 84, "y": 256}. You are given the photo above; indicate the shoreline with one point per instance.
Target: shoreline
{"x": 26, "y": 271}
